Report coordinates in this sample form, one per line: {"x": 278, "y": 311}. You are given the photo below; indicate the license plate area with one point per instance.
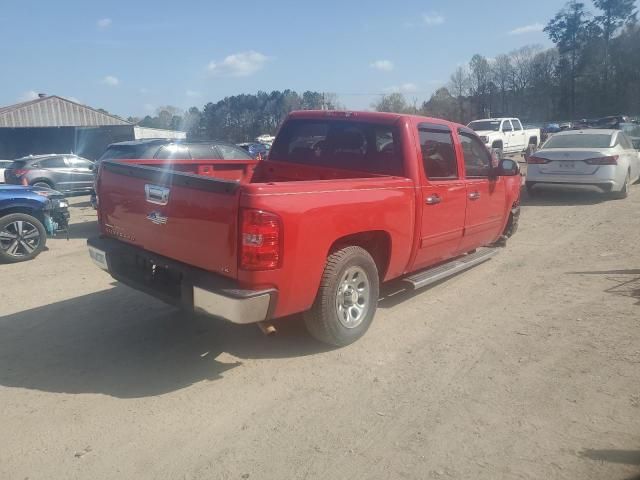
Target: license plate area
{"x": 149, "y": 274}
{"x": 566, "y": 165}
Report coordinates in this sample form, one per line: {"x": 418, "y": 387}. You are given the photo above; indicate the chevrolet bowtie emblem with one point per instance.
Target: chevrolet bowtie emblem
{"x": 157, "y": 218}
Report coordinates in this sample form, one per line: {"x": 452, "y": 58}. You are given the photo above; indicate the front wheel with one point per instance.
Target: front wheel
{"x": 22, "y": 237}
{"x": 347, "y": 298}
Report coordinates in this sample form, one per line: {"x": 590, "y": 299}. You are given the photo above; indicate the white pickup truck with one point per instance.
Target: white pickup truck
{"x": 506, "y": 135}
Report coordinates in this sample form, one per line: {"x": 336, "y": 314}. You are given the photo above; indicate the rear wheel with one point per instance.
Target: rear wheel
{"x": 624, "y": 193}
{"x": 530, "y": 189}
{"x": 530, "y": 149}
{"x": 22, "y": 237}
{"x": 347, "y": 298}
{"x": 42, "y": 184}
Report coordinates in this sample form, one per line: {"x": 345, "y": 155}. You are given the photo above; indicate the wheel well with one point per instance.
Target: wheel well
{"x": 497, "y": 144}
{"x": 42, "y": 180}
{"x": 25, "y": 210}
{"x": 377, "y": 243}
{"x": 533, "y": 140}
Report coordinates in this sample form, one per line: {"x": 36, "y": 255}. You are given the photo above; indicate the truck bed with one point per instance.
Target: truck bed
{"x": 188, "y": 210}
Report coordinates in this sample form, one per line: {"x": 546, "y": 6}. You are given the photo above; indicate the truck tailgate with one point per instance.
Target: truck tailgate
{"x": 186, "y": 217}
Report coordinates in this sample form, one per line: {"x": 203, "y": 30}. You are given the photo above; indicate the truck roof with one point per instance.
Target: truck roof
{"x": 498, "y": 119}
{"x": 383, "y": 117}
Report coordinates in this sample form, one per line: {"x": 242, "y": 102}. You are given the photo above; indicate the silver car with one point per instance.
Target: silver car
{"x": 601, "y": 158}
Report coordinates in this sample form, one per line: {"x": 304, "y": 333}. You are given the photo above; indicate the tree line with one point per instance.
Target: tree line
{"x": 593, "y": 70}
{"x": 239, "y": 118}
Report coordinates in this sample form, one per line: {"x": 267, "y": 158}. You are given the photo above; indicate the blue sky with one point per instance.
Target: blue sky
{"x": 130, "y": 57}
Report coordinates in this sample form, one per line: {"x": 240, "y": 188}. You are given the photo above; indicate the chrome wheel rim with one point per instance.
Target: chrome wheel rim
{"x": 19, "y": 238}
{"x": 353, "y": 297}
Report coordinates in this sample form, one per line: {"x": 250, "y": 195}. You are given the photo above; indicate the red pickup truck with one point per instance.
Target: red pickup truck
{"x": 344, "y": 202}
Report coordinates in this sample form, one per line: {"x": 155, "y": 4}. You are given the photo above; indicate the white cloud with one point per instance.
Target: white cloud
{"x": 533, "y": 28}
{"x": 149, "y": 107}
{"x": 111, "y": 81}
{"x": 192, "y": 94}
{"x": 28, "y": 95}
{"x": 104, "y": 23}
{"x": 432, "y": 18}
{"x": 242, "y": 64}
{"x": 404, "y": 88}
{"x": 383, "y": 65}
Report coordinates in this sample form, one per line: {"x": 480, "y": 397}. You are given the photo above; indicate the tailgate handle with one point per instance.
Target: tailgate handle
{"x": 156, "y": 194}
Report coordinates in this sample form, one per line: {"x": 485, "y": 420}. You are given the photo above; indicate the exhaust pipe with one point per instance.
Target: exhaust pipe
{"x": 267, "y": 328}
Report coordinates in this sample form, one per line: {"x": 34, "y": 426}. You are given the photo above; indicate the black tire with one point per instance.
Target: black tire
{"x": 624, "y": 193}
{"x": 42, "y": 183}
{"x": 23, "y": 246}
{"x": 530, "y": 190}
{"x": 324, "y": 321}
{"x": 530, "y": 149}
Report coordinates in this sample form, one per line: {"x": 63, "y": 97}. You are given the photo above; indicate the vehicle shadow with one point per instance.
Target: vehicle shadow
{"x": 82, "y": 204}
{"x": 546, "y": 197}
{"x": 121, "y": 343}
{"x": 627, "y": 457}
{"x": 83, "y": 230}
{"x": 627, "y": 282}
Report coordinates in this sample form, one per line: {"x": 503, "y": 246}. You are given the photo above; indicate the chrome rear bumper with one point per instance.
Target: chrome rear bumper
{"x": 181, "y": 285}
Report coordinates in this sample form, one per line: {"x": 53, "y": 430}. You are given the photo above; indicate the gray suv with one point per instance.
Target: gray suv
{"x": 65, "y": 173}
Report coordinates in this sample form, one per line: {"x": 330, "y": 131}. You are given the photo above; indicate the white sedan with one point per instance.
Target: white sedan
{"x": 601, "y": 158}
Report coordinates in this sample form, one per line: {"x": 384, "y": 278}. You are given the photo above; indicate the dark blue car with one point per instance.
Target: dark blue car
{"x": 27, "y": 216}
{"x": 256, "y": 150}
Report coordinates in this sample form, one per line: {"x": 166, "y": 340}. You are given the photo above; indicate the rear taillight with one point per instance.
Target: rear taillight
{"x": 260, "y": 240}
{"x": 537, "y": 160}
{"x": 611, "y": 160}
{"x": 18, "y": 172}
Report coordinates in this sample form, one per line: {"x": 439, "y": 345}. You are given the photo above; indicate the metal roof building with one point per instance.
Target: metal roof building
{"x": 53, "y": 124}
{"x": 54, "y": 111}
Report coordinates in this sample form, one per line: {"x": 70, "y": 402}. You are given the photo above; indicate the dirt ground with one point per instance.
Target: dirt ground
{"x": 526, "y": 367}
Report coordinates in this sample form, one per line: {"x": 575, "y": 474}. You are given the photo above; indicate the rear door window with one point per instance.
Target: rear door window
{"x": 53, "y": 162}
{"x": 477, "y": 159}
{"x": 76, "y": 162}
{"x": 516, "y": 124}
{"x": 438, "y": 154}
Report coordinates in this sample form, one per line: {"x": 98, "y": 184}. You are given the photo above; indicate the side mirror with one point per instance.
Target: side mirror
{"x": 508, "y": 168}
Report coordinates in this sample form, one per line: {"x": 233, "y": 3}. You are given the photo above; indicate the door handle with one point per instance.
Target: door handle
{"x": 474, "y": 195}
{"x": 432, "y": 199}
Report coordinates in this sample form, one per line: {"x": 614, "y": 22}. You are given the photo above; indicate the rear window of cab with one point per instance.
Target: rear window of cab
{"x": 579, "y": 140}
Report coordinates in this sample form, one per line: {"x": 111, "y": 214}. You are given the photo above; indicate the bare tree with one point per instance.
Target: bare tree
{"x": 459, "y": 86}
{"x": 502, "y": 73}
